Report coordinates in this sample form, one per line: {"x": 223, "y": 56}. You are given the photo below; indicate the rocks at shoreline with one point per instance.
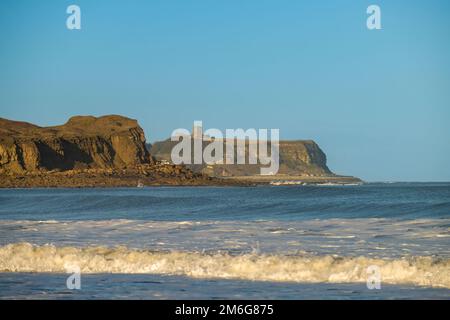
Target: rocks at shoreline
{"x": 143, "y": 175}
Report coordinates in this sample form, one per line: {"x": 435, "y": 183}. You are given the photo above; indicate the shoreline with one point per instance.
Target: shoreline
{"x": 156, "y": 174}
{"x": 108, "y": 179}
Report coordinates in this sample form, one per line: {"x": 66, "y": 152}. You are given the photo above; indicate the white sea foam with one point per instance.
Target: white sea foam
{"x": 25, "y": 257}
{"x": 343, "y": 237}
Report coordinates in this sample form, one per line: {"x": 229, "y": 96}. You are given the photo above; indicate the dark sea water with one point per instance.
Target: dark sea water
{"x": 227, "y": 242}
{"x": 383, "y": 200}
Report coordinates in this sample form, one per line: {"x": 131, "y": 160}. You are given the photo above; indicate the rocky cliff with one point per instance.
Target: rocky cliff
{"x": 83, "y": 142}
{"x": 303, "y": 157}
{"x": 300, "y": 157}
{"x": 111, "y": 151}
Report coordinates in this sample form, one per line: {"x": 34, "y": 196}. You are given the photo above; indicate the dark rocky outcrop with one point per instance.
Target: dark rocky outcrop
{"x": 142, "y": 175}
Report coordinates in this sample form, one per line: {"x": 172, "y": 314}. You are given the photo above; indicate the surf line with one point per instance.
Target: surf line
{"x": 187, "y": 310}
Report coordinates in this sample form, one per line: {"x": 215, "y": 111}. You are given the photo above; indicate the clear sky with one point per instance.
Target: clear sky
{"x": 377, "y": 102}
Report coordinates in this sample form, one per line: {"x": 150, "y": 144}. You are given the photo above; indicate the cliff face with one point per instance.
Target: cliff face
{"x": 301, "y": 157}
{"x": 83, "y": 142}
{"x": 304, "y": 157}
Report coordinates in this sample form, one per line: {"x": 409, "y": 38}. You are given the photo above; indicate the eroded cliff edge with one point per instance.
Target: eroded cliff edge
{"x": 83, "y": 142}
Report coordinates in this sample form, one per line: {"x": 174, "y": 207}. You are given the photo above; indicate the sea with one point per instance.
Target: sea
{"x": 368, "y": 241}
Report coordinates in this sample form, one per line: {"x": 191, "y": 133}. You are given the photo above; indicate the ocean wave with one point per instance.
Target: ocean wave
{"x": 422, "y": 271}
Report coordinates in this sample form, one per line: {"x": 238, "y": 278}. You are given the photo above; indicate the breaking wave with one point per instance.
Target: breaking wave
{"x": 25, "y": 257}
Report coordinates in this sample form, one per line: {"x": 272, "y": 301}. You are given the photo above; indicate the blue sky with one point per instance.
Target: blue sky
{"x": 377, "y": 102}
